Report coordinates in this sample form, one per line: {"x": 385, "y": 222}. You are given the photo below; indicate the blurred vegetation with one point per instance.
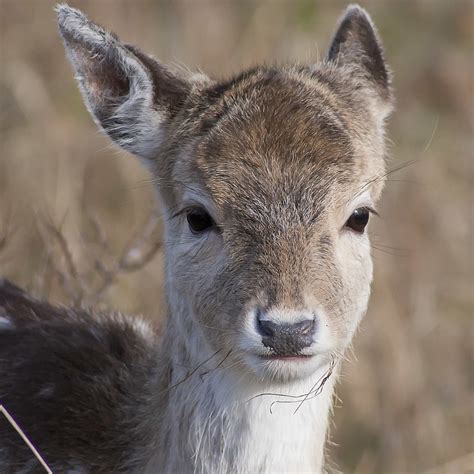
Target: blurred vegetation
{"x": 407, "y": 403}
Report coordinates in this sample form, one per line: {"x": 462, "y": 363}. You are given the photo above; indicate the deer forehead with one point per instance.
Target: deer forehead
{"x": 275, "y": 144}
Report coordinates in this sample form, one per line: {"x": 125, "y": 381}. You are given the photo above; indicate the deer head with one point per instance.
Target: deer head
{"x": 266, "y": 182}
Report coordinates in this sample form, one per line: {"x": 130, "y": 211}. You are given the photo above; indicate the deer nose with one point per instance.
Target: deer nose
{"x": 286, "y": 339}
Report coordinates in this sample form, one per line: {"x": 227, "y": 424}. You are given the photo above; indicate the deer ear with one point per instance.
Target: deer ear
{"x": 130, "y": 95}
{"x": 356, "y": 44}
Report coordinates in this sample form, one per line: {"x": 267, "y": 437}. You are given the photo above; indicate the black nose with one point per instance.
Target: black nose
{"x": 286, "y": 339}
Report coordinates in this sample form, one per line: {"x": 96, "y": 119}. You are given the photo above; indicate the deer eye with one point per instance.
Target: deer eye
{"x": 358, "y": 220}
{"x": 199, "y": 220}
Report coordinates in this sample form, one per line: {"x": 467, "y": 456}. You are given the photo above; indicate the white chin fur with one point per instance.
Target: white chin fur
{"x": 282, "y": 371}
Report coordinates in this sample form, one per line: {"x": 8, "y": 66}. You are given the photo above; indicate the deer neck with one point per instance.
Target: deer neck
{"x": 218, "y": 419}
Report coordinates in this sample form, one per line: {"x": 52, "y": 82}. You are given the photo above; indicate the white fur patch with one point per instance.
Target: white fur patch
{"x": 47, "y": 391}
{"x": 142, "y": 328}
{"x": 5, "y": 323}
{"x": 242, "y": 426}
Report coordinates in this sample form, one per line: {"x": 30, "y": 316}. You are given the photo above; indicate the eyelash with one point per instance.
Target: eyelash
{"x": 368, "y": 208}
{"x": 184, "y": 210}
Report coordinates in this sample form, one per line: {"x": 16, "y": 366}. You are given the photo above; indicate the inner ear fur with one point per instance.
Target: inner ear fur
{"x": 130, "y": 95}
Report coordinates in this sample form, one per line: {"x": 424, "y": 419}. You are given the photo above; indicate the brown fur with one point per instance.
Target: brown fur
{"x": 278, "y": 157}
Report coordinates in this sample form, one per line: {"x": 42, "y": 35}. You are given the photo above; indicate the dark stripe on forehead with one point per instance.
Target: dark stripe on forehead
{"x": 219, "y": 99}
{"x": 216, "y": 91}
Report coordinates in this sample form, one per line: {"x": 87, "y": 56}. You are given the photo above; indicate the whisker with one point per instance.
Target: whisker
{"x": 190, "y": 374}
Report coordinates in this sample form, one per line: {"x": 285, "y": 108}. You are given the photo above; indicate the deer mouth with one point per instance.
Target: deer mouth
{"x": 288, "y": 357}
{"x": 284, "y": 367}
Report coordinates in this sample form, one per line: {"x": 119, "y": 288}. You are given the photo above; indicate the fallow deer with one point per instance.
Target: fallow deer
{"x": 266, "y": 182}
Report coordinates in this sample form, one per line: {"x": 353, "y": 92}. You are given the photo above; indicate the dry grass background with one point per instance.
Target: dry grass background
{"x": 407, "y": 401}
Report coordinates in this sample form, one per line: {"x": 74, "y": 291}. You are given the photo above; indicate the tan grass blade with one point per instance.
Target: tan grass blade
{"x": 25, "y": 439}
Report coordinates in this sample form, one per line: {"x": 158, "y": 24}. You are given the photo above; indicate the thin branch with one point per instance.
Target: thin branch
{"x": 71, "y": 267}
{"x": 135, "y": 255}
{"x": 5, "y": 232}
